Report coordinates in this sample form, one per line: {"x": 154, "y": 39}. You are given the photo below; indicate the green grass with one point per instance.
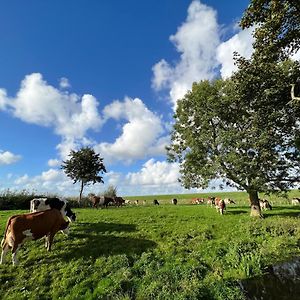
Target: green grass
{"x": 153, "y": 252}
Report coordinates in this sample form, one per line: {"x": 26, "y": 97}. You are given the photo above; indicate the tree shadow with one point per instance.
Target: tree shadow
{"x": 237, "y": 212}
{"x": 91, "y": 240}
{"x": 284, "y": 211}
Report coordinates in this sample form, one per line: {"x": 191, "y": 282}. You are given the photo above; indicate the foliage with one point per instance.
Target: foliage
{"x": 149, "y": 252}
{"x": 245, "y": 128}
{"x": 111, "y": 191}
{"x": 84, "y": 166}
{"x": 16, "y": 199}
{"x": 277, "y": 27}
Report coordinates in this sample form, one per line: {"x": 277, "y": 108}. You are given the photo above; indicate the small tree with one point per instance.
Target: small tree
{"x": 84, "y": 166}
{"x": 111, "y": 191}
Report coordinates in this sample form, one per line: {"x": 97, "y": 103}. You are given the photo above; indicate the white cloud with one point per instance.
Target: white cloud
{"x": 53, "y": 162}
{"x": 196, "y": 40}
{"x": 141, "y": 135}
{"x": 7, "y": 158}
{"x": 241, "y": 43}
{"x": 155, "y": 173}
{"x": 64, "y": 83}
{"x": 39, "y": 103}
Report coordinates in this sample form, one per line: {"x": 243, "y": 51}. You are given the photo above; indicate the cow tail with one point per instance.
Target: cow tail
{"x": 7, "y": 225}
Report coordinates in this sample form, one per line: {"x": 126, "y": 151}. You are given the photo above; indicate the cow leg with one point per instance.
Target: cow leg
{"x": 5, "y": 249}
{"x": 14, "y": 254}
{"x": 50, "y": 241}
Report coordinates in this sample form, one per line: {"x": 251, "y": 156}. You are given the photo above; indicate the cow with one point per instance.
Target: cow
{"x": 136, "y": 202}
{"x": 265, "y": 204}
{"x": 174, "y": 201}
{"x": 211, "y": 201}
{"x": 228, "y": 201}
{"x": 31, "y": 226}
{"x": 295, "y": 201}
{"x": 155, "y": 202}
{"x": 127, "y": 202}
{"x": 40, "y": 204}
{"x": 119, "y": 201}
{"x": 220, "y": 205}
{"x": 101, "y": 201}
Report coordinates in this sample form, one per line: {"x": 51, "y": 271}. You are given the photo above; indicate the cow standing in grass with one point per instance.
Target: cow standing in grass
{"x": 220, "y": 205}
{"x": 101, "y": 201}
{"x": 265, "y": 204}
{"x": 32, "y": 226}
{"x": 174, "y": 201}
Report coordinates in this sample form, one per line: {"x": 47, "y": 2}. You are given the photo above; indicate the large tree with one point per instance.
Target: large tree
{"x": 84, "y": 166}
{"x": 245, "y": 129}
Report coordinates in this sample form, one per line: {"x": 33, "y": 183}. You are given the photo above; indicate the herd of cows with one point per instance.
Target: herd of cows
{"x": 48, "y": 216}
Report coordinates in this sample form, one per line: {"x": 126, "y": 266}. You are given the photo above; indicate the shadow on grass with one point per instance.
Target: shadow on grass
{"x": 283, "y": 211}
{"x": 87, "y": 241}
{"x": 238, "y": 212}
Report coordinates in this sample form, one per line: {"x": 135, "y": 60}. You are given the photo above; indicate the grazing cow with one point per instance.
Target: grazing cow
{"x": 174, "y": 201}
{"x": 127, "y": 202}
{"x": 155, "y": 202}
{"x": 228, "y": 201}
{"x": 211, "y": 201}
{"x": 40, "y": 204}
{"x": 32, "y": 226}
{"x": 136, "y": 202}
{"x": 119, "y": 201}
{"x": 265, "y": 204}
{"x": 295, "y": 201}
{"x": 101, "y": 201}
{"x": 220, "y": 205}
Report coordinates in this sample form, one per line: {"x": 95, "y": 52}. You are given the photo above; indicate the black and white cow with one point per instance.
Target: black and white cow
{"x": 40, "y": 204}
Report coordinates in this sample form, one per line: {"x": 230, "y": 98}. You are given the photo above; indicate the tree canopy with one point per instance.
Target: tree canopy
{"x": 245, "y": 129}
{"x": 84, "y": 166}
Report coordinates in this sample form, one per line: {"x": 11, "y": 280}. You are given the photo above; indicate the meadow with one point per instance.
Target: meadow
{"x": 154, "y": 252}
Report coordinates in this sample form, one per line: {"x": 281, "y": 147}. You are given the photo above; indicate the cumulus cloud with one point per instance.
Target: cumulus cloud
{"x": 196, "y": 40}
{"x": 141, "y": 135}
{"x": 155, "y": 173}
{"x": 54, "y": 163}
{"x": 39, "y": 103}
{"x": 7, "y": 158}
{"x": 241, "y": 43}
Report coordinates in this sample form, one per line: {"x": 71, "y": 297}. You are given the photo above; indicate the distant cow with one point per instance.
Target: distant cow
{"x": 136, "y": 202}
{"x": 211, "y": 201}
{"x": 101, "y": 201}
{"x": 228, "y": 201}
{"x": 32, "y": 226}
{"x": 155, "y": 202}
{"x": 220, "y": 205}
{"x": 119, "y": 201}
{"x": 295, "y": 201}
{"x": 174, "y": 201}
{"x": 40, "y": 204}
{"x": 127, "y": 202}
{"x": 265, "y": 204}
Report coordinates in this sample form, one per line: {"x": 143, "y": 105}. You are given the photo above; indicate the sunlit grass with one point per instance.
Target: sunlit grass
{"x": 153, "y": 252}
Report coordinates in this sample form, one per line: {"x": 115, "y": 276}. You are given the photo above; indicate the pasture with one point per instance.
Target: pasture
{"x": 153, "y": 252}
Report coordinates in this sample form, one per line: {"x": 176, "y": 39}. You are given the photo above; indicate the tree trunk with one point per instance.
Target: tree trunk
{"x": 254, "y": 202}
{"x": 81, "y": 190}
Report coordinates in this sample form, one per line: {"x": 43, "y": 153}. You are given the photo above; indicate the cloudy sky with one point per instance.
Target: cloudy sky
{"x": 105, "y": 74}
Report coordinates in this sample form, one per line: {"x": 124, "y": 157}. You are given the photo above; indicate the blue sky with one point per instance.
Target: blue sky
{"x": 105, "y": 74}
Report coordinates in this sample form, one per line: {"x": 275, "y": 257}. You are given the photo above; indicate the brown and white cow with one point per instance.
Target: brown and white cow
{"x": 32, "y": 226}
{"x": 220, "y": 205}
{"x": 101, "y": 201}
{"x": 265, "y": 204}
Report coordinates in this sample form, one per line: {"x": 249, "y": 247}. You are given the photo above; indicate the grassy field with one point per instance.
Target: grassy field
{"x": 153, "y": 252}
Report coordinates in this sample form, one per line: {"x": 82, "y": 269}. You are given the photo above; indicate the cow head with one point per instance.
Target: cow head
{"x": 69, "y": 214}
{"x": 36, "y": 204}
